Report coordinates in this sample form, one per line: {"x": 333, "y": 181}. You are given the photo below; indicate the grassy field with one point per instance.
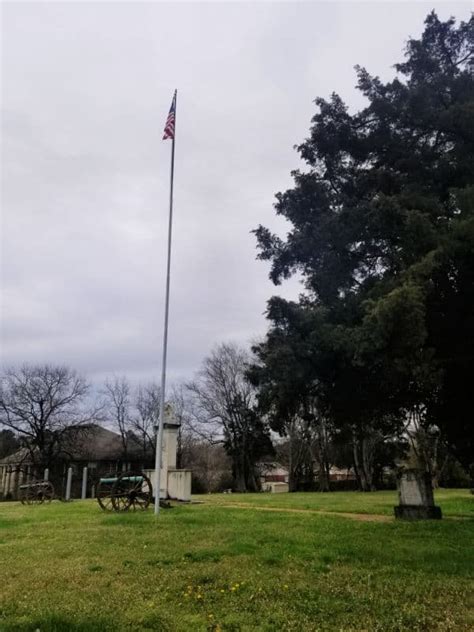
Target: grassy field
{"x": 239, "y": 562}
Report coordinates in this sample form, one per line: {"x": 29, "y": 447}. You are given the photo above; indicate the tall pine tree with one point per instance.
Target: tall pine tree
{"x": 383, "y": 234}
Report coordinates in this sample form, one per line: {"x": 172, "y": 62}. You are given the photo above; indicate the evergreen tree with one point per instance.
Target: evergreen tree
{"x": 383, "y": 235}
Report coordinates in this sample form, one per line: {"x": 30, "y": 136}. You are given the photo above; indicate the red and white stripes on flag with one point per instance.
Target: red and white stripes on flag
{"x": 171, "y": 120}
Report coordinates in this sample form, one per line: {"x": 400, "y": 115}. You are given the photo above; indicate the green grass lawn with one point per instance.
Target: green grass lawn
{"x": 220, "y": 566}
{"x": 454, "y": 503}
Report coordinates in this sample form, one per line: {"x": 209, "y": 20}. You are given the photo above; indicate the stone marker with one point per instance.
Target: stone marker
{"x": 415, "y": 494}
{"x": 68, "y": 483}
{"x": 84, "y": 483}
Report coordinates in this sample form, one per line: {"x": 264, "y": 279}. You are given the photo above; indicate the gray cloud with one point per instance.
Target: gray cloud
{"x": 85, "y": 92}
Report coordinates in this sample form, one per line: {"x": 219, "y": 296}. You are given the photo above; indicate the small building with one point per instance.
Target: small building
{"x": 273, "y": 478}
{"x": 341, "y": 474}
{"x": 101, "y": 451}
{"x": 276, "y": 488}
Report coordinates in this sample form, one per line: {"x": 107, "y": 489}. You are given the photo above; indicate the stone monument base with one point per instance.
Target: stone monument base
{"x": 415, "y": 494}
{"x": 418, "y": 512}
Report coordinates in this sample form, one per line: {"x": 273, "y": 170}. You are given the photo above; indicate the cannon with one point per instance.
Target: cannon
{"x": 36, "y": 493}
{"x": 128, "y": 491}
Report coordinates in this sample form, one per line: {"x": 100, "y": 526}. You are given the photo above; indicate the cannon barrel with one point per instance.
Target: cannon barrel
{"x": 130, "y": 479}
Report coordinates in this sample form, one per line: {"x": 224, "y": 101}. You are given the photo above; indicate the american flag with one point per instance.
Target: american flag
{"x": 170, "y": 121}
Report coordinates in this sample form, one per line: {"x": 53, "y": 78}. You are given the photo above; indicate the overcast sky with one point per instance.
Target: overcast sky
{"x": 86, "y": 89}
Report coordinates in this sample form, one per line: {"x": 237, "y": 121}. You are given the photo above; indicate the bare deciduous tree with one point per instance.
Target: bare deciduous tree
{"x": 145, "y": 419}
{"x": 209, "y": 463}
{"x": 45, "y": 406}
{"x": 223, "y": 400}
{"x": 117, "y": 404}
{"x": 191, "y": 431}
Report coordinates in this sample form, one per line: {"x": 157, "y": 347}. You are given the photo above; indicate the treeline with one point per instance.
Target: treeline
{"x": 232, "y": 427}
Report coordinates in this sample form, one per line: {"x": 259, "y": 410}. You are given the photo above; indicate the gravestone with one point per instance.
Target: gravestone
{"x": 415, "y": 494}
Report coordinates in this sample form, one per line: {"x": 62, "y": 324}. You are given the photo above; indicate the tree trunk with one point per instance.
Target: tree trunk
{"x": 323, "y": 479}
{"x": 358, "y": 465}
{"x": 368, "y": 463}
{"x": 239, "y": 473}
{"x": 253, "y": 480}
{"x": 355, "y": 456}
{"x": 295, "y": 459}
{"x": 240, "y": 482}
{"x": 291, "y": 473}
{"x": 363, "y": 454}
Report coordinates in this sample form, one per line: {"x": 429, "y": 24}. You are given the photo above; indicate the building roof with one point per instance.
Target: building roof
{"x": 99, "y": 444}
{"x": 272, "y": 469}
{"x": 95, "y": 443}
{"x": 17, "y": 457}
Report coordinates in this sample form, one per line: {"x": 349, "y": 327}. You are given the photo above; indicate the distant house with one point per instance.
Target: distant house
{"x": 341, "y": 474}
{"x": 272, "y": 473}
{"x": 277, "y": 473}
{"x": 101, "y": 451}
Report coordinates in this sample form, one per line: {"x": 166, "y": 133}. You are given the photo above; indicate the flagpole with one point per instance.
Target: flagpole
{"x": 159, "y": 434}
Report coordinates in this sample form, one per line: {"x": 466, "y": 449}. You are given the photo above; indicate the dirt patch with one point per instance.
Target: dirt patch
{"x": 323, "y": 512}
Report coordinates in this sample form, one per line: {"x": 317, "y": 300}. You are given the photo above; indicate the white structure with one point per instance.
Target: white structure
{"x": 276, "y": 488}
{"x": 174, "y": 484}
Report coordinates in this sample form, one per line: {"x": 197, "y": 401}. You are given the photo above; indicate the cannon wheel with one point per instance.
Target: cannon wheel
{"x": 24, "y": 495}
{"x": 37, "y": 493}
{"x": 104, "y": 493}
{"x": 132, "y": 491}
{"x": 31, "y": 497}
{"x": 46, "y": 491}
